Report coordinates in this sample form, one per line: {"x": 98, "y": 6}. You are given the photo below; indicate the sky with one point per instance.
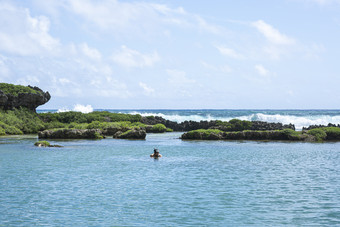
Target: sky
{"x": 174, "y": 54}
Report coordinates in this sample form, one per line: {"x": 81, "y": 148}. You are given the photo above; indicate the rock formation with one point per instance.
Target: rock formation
{"x": 71, "y": 134}
{"x": 28, "y": 100}
{"x": 135, "y": 133}
{"x": 193, "y": 125}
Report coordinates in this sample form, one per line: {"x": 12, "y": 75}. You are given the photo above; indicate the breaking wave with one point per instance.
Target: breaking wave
{"x": 78, "y": 108}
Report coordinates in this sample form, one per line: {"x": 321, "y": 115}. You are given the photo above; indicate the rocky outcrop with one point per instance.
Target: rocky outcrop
{"x": 28, "y": 100}
{"x": 193, "y": 125}
{"x": 71, "y": 134}
{"x": 261, "y": 125}
{"x": 45, "y": 144}
{"x": 247, "y": 135}
{"x": 320, "y": 126}
{"x": 179, "y": 127}
{"x": 135, "y": 133}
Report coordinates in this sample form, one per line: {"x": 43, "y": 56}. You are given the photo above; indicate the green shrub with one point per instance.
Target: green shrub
{"x": 291, "y": 134}
{"x": 333, "y": 133}
{"x": 10, "y": 130}
{"x": 16, "y": 89}
{"x": 98, "y": 135}
{"x": 78, "y": 125}
{"x": 202, "y": 133}
{"x": 139, "y": 124}
{"x": 54, "y": 124}
{"x": 27, "y": 121}
{"x": 125, "y": 133}
{"x": 2, "y": 132}
{"x": 95, "y": 125}
{"x": 78, "y": 117}
{"x": 158, "y": 128}
{"x": 234, "y": 125}
{"x": 318, "y": 133}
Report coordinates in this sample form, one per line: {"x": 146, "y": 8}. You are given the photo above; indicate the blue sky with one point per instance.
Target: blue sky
{"x": 174, "y": 54}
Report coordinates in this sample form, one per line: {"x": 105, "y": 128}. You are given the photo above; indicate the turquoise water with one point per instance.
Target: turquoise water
{"x": 211, "y": 183}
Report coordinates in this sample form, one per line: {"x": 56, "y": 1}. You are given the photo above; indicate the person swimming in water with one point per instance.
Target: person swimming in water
{"x": 155, "y": 154}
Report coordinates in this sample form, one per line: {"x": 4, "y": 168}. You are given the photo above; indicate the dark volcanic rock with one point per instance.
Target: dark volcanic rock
{"x": 193, "y": 125}
{"x": 261, "y": 125}
{"x": 241, "y": 135}
{"x": 131, "y": 134}
{"x": 320, "y": 126}
{"x": 28, "y": 100}
{"x": 70, "y": 134}
{"x": 179, "y": 127}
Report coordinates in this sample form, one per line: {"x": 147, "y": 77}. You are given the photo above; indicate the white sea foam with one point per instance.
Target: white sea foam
{"x": 78, "y": 108}
{"x": 298, "y": 121}
{"x": 180, "y": 118}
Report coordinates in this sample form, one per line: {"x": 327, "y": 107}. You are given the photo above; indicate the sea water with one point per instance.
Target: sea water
{"x": 114, "y": 182}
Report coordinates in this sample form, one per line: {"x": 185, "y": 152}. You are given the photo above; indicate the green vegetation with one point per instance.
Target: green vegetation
{"x": 313, "y": 135}
{"x": 234, "y": 125}
{"x": 203, "y": 134}
{"x": 19, "y": 121}
{"x": 78, "y": 117}
{"x": 333, "y": 133}
{"x": 158, "y": 128}
{"x": 2, "y": 132}
{"x": 318, "y": 133}
{"x": 42, "y": 143}
{"x": 291, "y": 134}
{"x": 24, "y": 121}
{"x": 16, "y": 89}
{"x": 326, "y": 133}
{"x": 97, "y": 135}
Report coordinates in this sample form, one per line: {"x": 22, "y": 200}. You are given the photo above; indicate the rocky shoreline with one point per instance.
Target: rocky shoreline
{"x": 18, "y": 104}
{"x": 194, "y": 125}
{"x": 135, "y": 133}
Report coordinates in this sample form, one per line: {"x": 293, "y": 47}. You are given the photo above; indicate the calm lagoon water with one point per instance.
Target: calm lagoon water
{"x": 210, "y": 183}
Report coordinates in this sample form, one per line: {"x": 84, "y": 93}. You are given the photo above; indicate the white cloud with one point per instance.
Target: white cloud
{"x": 24, "y": 35}
{"x": 135, "y": 17}
{"x": 204, "y": 25}
{"x": 64, "y": 81}
{"x": 148, "y": 90}
{"x": 90, "y": 52}
{"x": 261, "y": 70}
{"x": 179, "y": 77}
{"x": 322, "y": 2}
{"x": 223, "y": 68}
{"x": 4, "y": 69}
{"x": 28, "y": 80}
{"x": 132, "y": 58}
{"x": 229, "y": 52}
{"x": 272, "y": 34}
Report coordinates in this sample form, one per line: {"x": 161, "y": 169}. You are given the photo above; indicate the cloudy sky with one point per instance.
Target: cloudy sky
{"x": 174, "y": 54}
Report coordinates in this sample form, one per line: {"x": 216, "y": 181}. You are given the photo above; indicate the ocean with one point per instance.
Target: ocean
{"x": 114, "y": 182}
